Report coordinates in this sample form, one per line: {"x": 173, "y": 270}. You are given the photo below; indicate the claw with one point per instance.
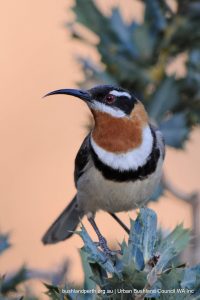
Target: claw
{"x": 102, "y": 241}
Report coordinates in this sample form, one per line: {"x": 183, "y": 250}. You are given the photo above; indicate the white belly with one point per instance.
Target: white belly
{"x": 95, "y": 192}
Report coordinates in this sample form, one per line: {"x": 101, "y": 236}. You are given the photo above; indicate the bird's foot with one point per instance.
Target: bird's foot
{"x": 102, "y": 241}
{"x": 104, "y": 247}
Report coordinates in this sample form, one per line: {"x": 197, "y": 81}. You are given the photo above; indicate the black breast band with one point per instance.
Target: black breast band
{"x": 130, "y": 175}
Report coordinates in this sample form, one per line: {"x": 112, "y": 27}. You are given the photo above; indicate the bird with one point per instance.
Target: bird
{"x": 119, "y": 164}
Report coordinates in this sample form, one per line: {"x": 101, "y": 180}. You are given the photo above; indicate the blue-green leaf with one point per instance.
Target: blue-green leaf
{"x": 123, "y": 34}
{"x": 4, "y": 242}
{"x": 158, "y": 192}
{"x": 142, "y": 237}
{"x": 155, "y": 16}
{"x": 164, "y": 99}
{"x": 11, "y": 282}
{"x": 94, "y": 254}
{"x": 89, "y": 15}
{"x": 175, "y": 130}
{"x": 169, "y": 247}
{"x": 191, "y": 279}
{"x": 89, "y": 284}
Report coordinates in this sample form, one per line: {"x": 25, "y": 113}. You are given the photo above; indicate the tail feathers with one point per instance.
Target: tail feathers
{"x": 64, "y": 225}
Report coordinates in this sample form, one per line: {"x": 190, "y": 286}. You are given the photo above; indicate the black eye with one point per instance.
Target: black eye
{"x": 110, "y": 98}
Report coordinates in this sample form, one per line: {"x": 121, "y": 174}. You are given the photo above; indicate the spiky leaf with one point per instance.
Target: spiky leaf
{"x": 143, "y": 237}
{"x": 94, "y": 254}
{"x": 4, "y": 242}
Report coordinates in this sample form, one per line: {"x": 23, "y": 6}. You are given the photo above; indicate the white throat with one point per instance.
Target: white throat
{"x": 115, "y": 112}
{"x": 130, "y": 160}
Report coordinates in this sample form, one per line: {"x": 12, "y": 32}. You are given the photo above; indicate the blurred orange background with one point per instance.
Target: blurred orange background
{"x": 40, "y": 137}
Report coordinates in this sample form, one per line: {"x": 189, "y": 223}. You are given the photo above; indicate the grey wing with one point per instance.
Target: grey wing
{"x": 67, "y": 222}
{"x": 160, "y": 140}
{"x": 82, "y": 158}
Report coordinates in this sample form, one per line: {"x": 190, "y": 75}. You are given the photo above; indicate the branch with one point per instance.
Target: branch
{"x": 187, "y": 197}
{"x": 196, "y": 230}
{"x": 194, "y": 200}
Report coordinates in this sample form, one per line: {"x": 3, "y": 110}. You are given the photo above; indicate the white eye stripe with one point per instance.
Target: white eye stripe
{"x": 119, "y": 94}
{"x": 115, "y": 112}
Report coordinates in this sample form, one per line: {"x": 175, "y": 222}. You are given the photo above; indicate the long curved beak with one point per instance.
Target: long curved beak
{"x": 84, "y": 95}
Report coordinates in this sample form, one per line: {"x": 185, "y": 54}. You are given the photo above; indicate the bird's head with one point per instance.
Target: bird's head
{"x": 120, "y": 118}
{"x": 114, "y": 101}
